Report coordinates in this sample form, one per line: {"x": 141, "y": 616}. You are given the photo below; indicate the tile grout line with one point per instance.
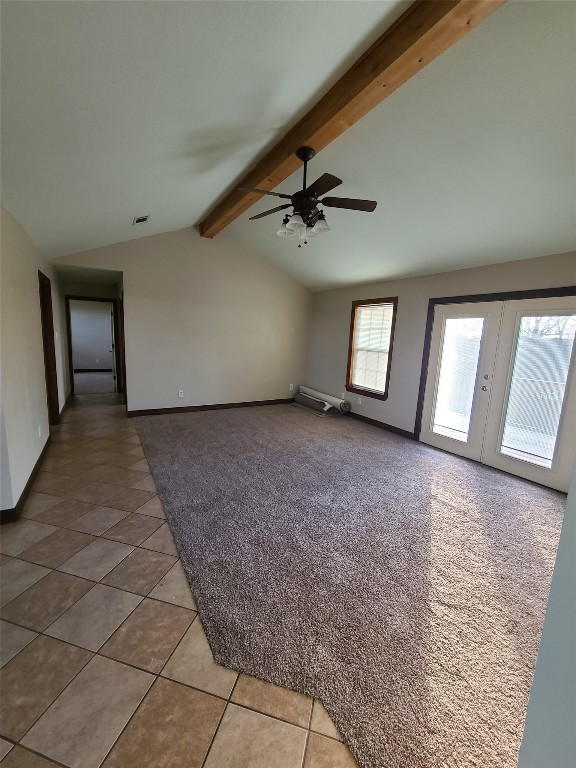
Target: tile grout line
{"x": 178, "y": 682}
{"x": 97, "y": 653}
{"x": 213, "y": 739}
{"x": 140, "y": 703}
{"x": 93, "y": 653}
{"x": 57, "y": 569}
{"x": 34, "y": 752}
{"x": 61, "y": 692}
{"x": 156, "y": 675}
{"x": 308, "y": 733}
{"x": 94, "y": 583}
{"x": 44, "y": 633}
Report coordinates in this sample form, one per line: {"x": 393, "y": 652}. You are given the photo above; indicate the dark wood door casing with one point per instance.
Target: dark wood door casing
{"x": 118, "y": 341}
{"x": 47, "y": 322}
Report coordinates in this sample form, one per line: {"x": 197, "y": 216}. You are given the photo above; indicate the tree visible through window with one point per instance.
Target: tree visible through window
{"x": 370, "y": 350}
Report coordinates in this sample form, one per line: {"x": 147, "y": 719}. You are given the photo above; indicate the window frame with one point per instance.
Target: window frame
{"x": 350, "y": 387}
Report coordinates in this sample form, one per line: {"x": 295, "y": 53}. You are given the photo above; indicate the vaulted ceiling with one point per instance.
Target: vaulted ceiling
{"x": 114, "y": 110}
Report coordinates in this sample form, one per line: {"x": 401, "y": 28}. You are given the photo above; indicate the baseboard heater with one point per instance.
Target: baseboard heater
{"x": 320, "y": 401}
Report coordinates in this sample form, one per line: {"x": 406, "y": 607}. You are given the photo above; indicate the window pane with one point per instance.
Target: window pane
{"x": 457, "y": 377}
{"x": 373, "y": 330}
{"x": 537, "y": 387}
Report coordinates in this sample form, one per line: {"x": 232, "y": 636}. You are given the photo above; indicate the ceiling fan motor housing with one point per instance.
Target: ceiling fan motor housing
{"x": 305, "y": 204}
{"x": 305, "y": 154}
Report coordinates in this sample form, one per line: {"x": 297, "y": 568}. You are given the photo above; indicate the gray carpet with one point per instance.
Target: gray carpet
{"x": 403, "y": 586}
{"x": 93, "y": 383}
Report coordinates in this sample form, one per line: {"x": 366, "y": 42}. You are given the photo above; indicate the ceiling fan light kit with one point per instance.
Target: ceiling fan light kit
{"x": 284, "y": 231}
{"x": 306, "y": 218}
{"x": 296, "y": 222}
{"x": 321, "y": 224}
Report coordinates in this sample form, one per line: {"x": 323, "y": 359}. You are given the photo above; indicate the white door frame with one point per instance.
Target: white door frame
{"x": 434, "y": 303}
{"x": 491, "y": 313}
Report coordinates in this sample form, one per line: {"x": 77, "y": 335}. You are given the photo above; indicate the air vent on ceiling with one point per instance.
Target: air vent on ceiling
{"x": 140, "y": 219}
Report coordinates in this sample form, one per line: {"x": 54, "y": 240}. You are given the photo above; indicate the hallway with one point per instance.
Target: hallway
{"x": 93, "y": 383}
{"x": 104, "y": 659}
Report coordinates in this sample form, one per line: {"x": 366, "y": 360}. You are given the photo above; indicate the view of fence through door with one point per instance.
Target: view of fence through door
{"x": 537, "y": 387}
{"x": 500, "y": 386}
{"x": 460, "y": 355}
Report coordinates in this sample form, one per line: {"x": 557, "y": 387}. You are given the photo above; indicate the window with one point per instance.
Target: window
{"x": 370, "y": 350}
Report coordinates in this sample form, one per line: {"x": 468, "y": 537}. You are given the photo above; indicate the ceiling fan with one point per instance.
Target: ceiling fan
{"x": 307, "y": 219}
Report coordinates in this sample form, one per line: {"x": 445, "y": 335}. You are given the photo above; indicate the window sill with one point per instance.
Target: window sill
{"x": 367, "y": 392}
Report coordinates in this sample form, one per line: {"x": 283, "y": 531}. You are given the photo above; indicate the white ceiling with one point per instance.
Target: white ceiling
{"x": 117, "y": 109}
{"x": 112, "y": 110}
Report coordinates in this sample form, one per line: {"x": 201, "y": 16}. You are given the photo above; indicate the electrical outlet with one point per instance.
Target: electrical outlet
{"x": 180, "y": 393}
{"x": 343, "y": 395}
{"x": 291, "y": 387}
{"x": 359, "y": 401}
{"x": 97, "y": 360}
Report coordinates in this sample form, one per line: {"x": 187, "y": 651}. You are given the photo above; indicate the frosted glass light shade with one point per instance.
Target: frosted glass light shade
{"x": 296, "y": 222}
{"x": 320, "y": 226}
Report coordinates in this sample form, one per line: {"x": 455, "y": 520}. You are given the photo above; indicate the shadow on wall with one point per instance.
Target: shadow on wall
{"x": 549, "y": 734}
{"x": 6, "y": 498}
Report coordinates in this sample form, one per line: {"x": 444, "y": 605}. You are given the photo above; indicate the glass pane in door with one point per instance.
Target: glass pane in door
{"x": 537, "y": 387}
{"x": 461, "y": 343}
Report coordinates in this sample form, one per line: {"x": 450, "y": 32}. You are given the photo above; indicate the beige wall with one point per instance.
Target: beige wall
{"x": 24, "y": 413}
{"x": 205, "y": 316}
{"x": 549, "y": 734}
{"x": 330, "y": 326}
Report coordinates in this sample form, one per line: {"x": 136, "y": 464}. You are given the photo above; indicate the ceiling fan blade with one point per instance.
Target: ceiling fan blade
{"x": 349, "y": 202}
{"x": 263, "y": 192}
{"x": 324, "y": 184}
{"x": 272, "y": 210}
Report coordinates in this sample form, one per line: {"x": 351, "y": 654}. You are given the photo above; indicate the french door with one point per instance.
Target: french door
{"x": 501, "y": 386}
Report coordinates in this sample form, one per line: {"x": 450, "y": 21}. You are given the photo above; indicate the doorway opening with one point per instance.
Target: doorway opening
{"x": 95, "y": 345}
{"x": 45, "y": 289}
{"x": 500, "y": 385}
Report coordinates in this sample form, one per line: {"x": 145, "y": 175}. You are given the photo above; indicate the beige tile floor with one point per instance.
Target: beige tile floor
{"x": 104, "y": 659}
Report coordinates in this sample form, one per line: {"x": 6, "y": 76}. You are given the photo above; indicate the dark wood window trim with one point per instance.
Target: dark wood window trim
{"x": 365, "y": 391}
{"x": 537, "y": 293}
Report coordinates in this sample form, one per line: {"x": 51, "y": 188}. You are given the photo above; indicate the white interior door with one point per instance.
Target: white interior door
{"x": 501, "y": 388}
{"x": 531, "y": 424}
{"x": 462, "y": 358}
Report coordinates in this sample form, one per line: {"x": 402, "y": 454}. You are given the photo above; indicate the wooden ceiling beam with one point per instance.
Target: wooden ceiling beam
{"x": 422, "y": 33}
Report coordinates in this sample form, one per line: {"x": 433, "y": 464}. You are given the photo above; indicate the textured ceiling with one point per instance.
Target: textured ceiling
{"x": 112, "y": 110}
{"x": 473, "y": 161}
{"x": 117, "y": 109}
